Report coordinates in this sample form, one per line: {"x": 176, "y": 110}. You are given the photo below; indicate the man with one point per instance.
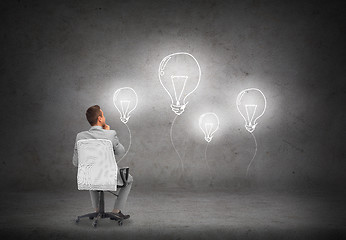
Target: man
{"x": 100, "y": 130}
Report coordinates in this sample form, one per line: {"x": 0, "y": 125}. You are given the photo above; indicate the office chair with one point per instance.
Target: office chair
{"x": 97, "y": 171}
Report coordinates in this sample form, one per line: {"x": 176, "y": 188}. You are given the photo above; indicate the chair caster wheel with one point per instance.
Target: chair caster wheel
{"x": 91, "y": 218}
{"x": 120, "y": 223}
{"x": 77, "y": 220}
{"x": 94, "y": 225}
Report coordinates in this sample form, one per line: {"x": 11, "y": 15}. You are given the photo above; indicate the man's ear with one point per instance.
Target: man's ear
{"x": 99, "y": 118}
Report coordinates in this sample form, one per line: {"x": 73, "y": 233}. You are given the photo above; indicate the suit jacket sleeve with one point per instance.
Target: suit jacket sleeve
{"x": 75, "y": 154}
{"x": 118, "y": 147}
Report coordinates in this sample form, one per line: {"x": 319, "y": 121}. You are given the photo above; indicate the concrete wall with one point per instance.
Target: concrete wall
{"x": 57, "y": 59}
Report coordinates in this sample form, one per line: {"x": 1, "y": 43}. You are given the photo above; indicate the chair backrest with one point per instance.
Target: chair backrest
{"x": 97, "y": 168}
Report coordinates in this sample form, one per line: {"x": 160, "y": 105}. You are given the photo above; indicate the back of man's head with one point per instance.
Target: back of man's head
{"x": 92, "y": 114}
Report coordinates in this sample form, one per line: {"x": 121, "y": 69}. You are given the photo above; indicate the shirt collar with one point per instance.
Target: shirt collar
{"x": 95, "y": 127}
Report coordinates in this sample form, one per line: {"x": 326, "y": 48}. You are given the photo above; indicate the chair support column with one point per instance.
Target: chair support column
{"x": 102, "y": 202}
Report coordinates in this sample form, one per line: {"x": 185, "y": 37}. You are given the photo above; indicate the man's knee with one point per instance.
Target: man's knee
{"x": 130, "y": 179}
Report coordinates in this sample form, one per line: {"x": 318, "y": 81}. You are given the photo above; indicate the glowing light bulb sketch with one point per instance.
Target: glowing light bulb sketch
{"x": 209, "y": 124}
{"x": 179, "y": 74}
{"x": 125, "y": 100}
{"x": 251, "y": 104}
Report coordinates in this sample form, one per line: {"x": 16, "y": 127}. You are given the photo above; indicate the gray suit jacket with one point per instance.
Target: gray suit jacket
{"x": 97, "y": 132}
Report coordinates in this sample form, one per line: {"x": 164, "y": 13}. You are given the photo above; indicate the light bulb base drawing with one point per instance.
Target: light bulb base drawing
{"x": 124, "y": 119}
{"x": 251, "y": 127}
{"x": 208, "y": 139}
{"x": 178, "y": 109}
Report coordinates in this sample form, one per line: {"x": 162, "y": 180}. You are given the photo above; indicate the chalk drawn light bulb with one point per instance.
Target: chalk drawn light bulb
{"x": 251, "y": 104}
{"x": 179, "y": 74}
{"x": 209, "y": 123}
{"x": 125, "y": 100}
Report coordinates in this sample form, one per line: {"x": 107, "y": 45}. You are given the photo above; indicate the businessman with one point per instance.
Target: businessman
{"x": 100, "y": 130}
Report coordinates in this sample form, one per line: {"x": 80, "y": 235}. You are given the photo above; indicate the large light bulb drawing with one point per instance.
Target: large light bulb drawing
{"x": 125, "y": 100}
{"x": 251, "y": 104}
{"x": 209, "y": 124}
{"x": 179, "y": 74}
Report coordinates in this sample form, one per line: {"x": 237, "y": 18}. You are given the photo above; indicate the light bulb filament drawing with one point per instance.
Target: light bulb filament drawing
{"x": 178, "y": 83}
{"x": 124, "y": 109}
{"x": 250, "y": 116}
{"x": 208, "y": 127}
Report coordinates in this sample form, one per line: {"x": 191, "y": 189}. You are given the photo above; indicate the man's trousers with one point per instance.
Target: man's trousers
{"x": 120, "y": 201}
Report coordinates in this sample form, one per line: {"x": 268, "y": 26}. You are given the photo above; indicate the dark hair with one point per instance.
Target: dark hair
{"x": 92, "y": 114}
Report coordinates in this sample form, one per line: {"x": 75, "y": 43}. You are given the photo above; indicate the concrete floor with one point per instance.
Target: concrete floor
{"x": 173, "y": 214}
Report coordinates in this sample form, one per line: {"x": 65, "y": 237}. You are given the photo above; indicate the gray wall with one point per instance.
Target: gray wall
{"x": 58, "y": 58}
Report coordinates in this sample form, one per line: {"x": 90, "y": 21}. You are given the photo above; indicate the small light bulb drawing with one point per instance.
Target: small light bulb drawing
{"x": 251, "y": 104}
{"x": 209, "y": 123}
{"x": 179, "y": 74}
{"x": 125, "y": 100}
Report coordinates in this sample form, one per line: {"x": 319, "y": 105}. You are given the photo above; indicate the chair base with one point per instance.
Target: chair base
{"x": 124, "y": 174}
{"x": 96, "y": 216}
{"x": 101, "y": 213}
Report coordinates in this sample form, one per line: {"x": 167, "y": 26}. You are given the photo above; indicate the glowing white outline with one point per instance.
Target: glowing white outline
{"x": 208, "y": 136}
{"x": 124, "y": 118}
{"x": 206, "y": 161}
{"x": 129, "y": 143}
{"x": 254, "y": 155}
{"x": 249, "y": 127}
{"x": 177, "y": 109}
{"x": 175, "y": 149}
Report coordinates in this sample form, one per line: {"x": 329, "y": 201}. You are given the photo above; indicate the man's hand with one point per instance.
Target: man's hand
{"x": 106, "y": 127}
